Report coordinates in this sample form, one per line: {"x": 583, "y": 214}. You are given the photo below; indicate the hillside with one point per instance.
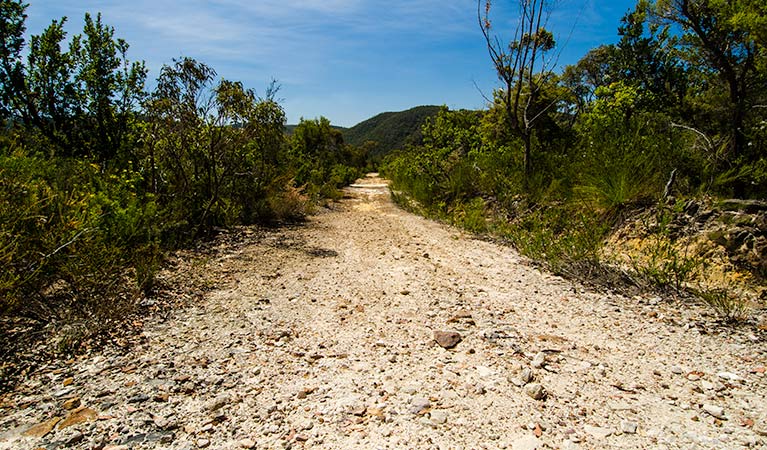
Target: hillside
{"x": 391, "y": 130}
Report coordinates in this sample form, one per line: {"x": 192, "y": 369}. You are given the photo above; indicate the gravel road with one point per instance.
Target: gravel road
{"x": 370, "y": 328}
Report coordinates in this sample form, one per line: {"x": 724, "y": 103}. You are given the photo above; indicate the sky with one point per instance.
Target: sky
{"x": 346, "y": 60}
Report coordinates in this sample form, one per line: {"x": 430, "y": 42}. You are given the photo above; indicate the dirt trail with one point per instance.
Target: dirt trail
{"x": 322, "y": 336}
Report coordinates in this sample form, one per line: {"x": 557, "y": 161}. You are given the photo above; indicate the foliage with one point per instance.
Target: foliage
{"x": 727, "y": 303}
{"x": 68, "y": 232}
{"x": 523, "y": 68}
{"x": 716, "y": 37}
{"x": 626, "y": 154}
{"x": 319, "y": 158}
{"x": 98, "y": 177}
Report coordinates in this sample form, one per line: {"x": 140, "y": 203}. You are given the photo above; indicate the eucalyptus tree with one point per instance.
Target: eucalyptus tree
{"x": 523, "y": 67}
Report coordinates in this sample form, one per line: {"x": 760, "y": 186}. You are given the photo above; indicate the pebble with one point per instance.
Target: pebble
{"x": 71, "y": 404}
{"x": 539, "y": 360}
{"x": 217, "y": 403}
{"x": 75, "y": 438}
{"x": 676, "y": 370}
{"x": 536, "y": 391}
{"x": 716, "y": 411}
{"x": 598, "y": 432}
{"x": 447, "y": 339}
{"x": 438, "y": 416}
{"x": 629, "y": 427}
{"x": 525, "y": 376}
{"x": 247, "y": 443}
{"x": 729, "y": 376}
{"x": 419, "y": 404}
{"x": 526, "y": 443}
{"x": 203, "y": 443}
{"x": 484, "y": 372}
{"x": 140, "y": 398}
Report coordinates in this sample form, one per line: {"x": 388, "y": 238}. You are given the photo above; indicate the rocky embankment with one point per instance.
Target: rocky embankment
{"x": 372, "y": 328}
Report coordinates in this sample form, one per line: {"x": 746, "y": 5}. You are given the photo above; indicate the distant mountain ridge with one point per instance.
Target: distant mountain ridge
{"x": 391, "y": 130}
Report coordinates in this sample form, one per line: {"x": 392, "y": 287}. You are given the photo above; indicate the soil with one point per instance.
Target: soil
{"x": 369, "y": 327}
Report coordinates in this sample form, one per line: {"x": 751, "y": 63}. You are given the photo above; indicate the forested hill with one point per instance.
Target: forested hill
{"x": 391, "y": 130}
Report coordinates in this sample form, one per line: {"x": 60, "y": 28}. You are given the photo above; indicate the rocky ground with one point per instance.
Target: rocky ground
{"x": 373, "y": 328}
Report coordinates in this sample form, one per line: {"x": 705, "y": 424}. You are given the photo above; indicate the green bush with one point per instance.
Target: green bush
{"x": 69, "y": 235}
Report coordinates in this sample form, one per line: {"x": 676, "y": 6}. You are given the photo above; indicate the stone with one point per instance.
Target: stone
{"x": 71, "y": 404}
{"x": 74, "y": 438}
{"x": 247, "y": 443}
{"x": 526, "y": 443}
{"x": 536, "y": 391}
{"x": 629, "y": 427}
{"x": 676, "y": 370}
{"x": 78, "y": 416}
{"x": 598, "y": 432}
{"x": 729, "y": 376}
{"x": 715, "y": 411}
{"x": 305, "y": 392}
{"x": 41, "y": 429}
{"x": 539, "y": 360}
{"x": 447, "y": 339}
{"x": 217, "y": 403}
{"x": 484, "y": 372}
{"x": 358, "y": 409}
{"x": 438, "y": 416}
{"x": 202, "y": 443}
{"x": 525, "y": 376}
{"x": 140, "y": 398}
{"x": 419, "y": 405}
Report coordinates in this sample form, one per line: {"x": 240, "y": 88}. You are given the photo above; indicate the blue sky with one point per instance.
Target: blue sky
{"x": 346, "y": 60}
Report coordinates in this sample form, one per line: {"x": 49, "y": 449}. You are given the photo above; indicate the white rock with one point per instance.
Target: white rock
{"x": 247, "y": 443}
{"x": 729, "y": 376}
{"x": 716, "y": 411}
{"x": 539, "y": 360}
{"x": 629, "y": 427}
{"x": 419, "y": 404}
{"x": 439, "y": 416}
{"x": 598, "y": 432}
{"x": 484, "y": 372}
{"x": 526, "y": 443}
{"x": 536, "y": 391}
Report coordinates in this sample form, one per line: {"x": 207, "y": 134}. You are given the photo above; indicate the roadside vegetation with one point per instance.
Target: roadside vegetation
{"x": 667, "y": 122}
{"x": 100, "y": 177}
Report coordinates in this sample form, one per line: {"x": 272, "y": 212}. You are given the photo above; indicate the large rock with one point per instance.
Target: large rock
{"x": 78, "y": 416}
{"x": 42, "y": 429}
{"x": 536, "y": 391}
{"x": 447, "y": 339}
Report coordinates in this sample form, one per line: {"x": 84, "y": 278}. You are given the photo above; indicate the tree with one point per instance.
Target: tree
{"x": 110, "y": 87}
{"x": 647, "y": 56}
{"x": 82, "y": 98}
{"x": 12, "y": 28}
{"x": 588, "y": 74}
{"x": 714, "y": 40}
{"x": 522, "y": 68}
{"x": 209, "y": 147}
